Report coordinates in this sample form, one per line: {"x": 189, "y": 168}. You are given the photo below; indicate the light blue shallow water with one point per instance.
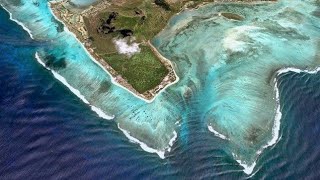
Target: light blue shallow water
{"x": 230, "y": 65}
{"x": 153, "y": 123}
{"x": 226, "y": 70}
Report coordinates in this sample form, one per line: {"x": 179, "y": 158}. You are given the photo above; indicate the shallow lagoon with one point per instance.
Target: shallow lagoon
{"x": 226, "y": 71}
{"x": 231, "y": 65}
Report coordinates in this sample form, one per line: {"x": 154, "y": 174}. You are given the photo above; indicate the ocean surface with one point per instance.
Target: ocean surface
{"x": 46, "y": 131}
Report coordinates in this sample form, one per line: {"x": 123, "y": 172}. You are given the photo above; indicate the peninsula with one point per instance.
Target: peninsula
{"x": 117, "y": 34}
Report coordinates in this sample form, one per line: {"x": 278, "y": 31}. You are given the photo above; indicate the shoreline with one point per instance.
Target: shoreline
{"x": 277, "y": 121}
{"x": 98, "y": 111}
{"x": 57, "y": 76}
{"x": 148, "y": 96}
{"x": 95, "y": 61}
{"x": 75, "y": 91}
{"x": 247, "y": 169}
{"x": 78, "y": 32}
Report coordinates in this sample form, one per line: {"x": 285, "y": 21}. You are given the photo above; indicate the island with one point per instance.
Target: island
{"x": 117, "y": 34}
{"x": 230, "y": 58}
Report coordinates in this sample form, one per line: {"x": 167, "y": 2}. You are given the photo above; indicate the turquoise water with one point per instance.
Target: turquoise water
{"x": 226, "y": 71}
{"x": 230, "y": 65}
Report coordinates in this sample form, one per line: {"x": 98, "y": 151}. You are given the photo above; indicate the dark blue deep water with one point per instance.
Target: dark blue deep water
{"x": 47, "y": 132}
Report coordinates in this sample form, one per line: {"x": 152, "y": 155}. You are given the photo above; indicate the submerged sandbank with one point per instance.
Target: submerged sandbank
{"x": 233, "y": 87}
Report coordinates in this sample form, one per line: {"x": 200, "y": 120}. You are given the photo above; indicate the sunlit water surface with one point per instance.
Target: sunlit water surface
{"x": 227, "y": 72}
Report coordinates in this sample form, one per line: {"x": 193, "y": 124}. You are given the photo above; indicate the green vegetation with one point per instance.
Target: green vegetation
{"x": 145, "y": 19}
{"x": 163, "y": 4}
{"x": 141, "y": 70}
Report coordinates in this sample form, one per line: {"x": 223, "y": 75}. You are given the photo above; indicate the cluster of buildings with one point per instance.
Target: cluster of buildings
{"x": 73, "y": 20}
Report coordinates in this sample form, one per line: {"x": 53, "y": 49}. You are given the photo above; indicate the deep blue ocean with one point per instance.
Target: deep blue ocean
{"x": 47, "y": 132}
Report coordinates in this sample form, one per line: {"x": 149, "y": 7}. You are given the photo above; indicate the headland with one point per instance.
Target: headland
{"x": 117, "y": 34}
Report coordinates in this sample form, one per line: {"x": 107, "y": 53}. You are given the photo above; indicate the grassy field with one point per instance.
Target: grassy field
{"x": 143, "y": 71}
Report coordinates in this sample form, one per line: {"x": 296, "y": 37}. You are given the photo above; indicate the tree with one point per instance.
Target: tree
{"x": 163, "y": 4}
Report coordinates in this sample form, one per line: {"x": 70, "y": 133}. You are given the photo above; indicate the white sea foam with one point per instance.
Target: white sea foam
{"x": 40, "y": 61}
{"x": 275, "y": 133}
{"x": 275, "y": 130}
{"x": 142, "y": 145}
{"x": 216, "y": 133}
{"x": 146, "y": 147}
{"x": 124, "y": 48}
{"x": 172, "y": 140}
{"x": 277, "y": 123}
{"x": 99, "y": 111}
{"x": 247, "y": 168}
{"x": 297, "y": 70}
{"x": 74, "y": 90}
{"x": 18, "y": 22}
{"x": 278, "y": 115}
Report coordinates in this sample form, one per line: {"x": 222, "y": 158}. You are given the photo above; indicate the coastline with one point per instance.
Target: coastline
{"x": 247, "y": 168}
{"x": 148, "y": 96}
{"x": 276, "y": 127}
{"x": 80, "y": 33}
{"x": 95, "y": 61}
{"x": 98, "y": 111}
{"x": 75, "y": 91}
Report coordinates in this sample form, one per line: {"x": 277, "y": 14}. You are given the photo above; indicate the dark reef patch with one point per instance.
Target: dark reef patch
{"x": 316, "y": 13}
{"x": 292, "y": 15}
{"x": 253, "y": 135}
{"x": 36, "y": 3}
{"x": 274, "y": 28}
{"x": 163, "y": 4}
{"x": 232, "y": 16}
{"x": 54, "y": 63}
{"x": 16, "y": 2}
{"x": 104, "y": 87}
{"x": 59, "y": 25}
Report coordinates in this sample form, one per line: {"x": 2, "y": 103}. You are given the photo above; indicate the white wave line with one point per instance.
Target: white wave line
{"x": 216, "y": 133}
{"x": 78, "y": 94}
{"x": 74, "y": 90}
{"x": 18, "y": 22}
{"x": 278, "y": 116}
{"x": 111, "y": 77}
{"x": 142, "y": 145}
{"x": 145, "y": 147}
